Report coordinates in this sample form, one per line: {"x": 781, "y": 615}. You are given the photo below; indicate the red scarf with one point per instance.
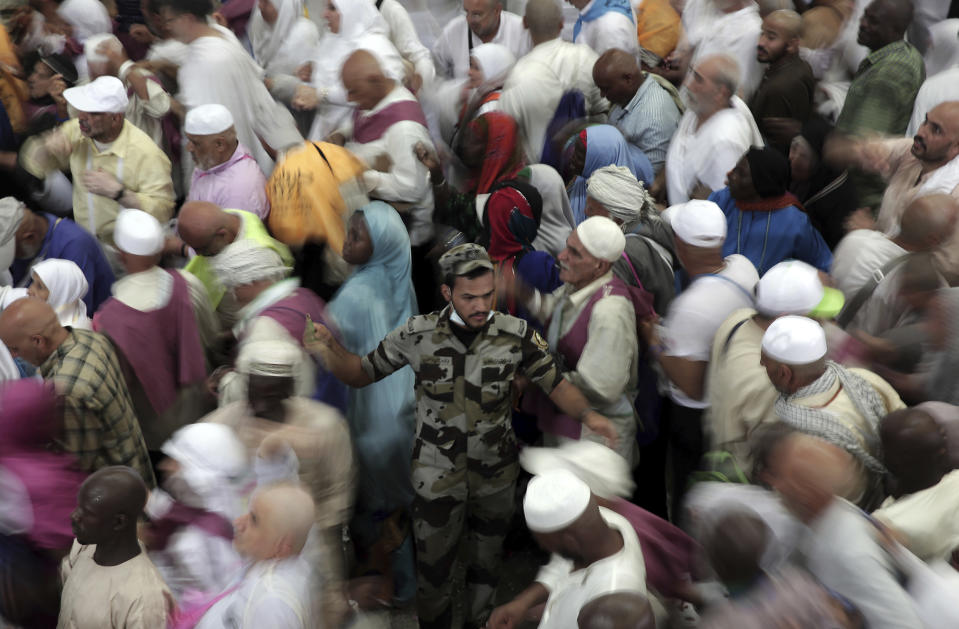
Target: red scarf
{"x": 504, "y": 157}
{"x": 770, "y": 204}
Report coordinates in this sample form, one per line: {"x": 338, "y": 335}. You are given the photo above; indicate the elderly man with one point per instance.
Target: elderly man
{"x": 592, "y": 321}
{"x": 883, "y": 91}
{"x": 867, "y": 265}
{"x": 464, "y": 456}
{"x": 539, "y": 81}
{"x": 275, "y": 590}
{"x": 226, "y": 174}
{"x": 154, "y": 320}
{"x": 40, "y": 236}
{"x": 485, "y": 22}
{"x": 606, "y": 24}
{"x": 924, "y": 165}
{"x": 593, "y": 552}
{"x": 99, "y": 424}
{"x": 765, "y": 222}
{"x": 716, "y": 118}
{"x": 820, "y": 398}
{"x": 786, "y": 90}
{"x": 741, "y": 398}
{"x": 614, "y": 192}
{"x": 211, "y": 231}
{"x": 643, "y": 109}
{"x": 113, "y": 163}
{"x": 838, "y": 544}
{"x": 217, "y": 69}
{"x": 108, "y": 580}
{"x": 683, "y": 343}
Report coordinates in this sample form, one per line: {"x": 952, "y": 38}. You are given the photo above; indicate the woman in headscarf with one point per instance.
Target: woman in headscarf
{"x": 61, "y": 284}
{"x": 374, "y": 301}
{"x": 281, "y": 36}
{"x": 827, "y": 194}
{"x": 595, "y": 147}
{"x": 489, "y": 66}
{"x": 353, "y": 25}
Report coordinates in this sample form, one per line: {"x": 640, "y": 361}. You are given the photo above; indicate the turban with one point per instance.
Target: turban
{"x": 269, "y": 358}
{"x": 602, "y": 238}
{"x": 245, "y": 261}
{"x": 618, "y": 190}
{"x": 769, "y": 170}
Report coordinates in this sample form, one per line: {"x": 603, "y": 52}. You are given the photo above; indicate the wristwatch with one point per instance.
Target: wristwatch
{"x": 119, "y": 194}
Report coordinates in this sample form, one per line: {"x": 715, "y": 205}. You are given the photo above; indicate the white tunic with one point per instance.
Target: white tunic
{"x": 407, "y": 42}
{"x": 610, "y": 30}
{"x": 735, "y": 34}
{"x": 571, "y": 589}
{"x": 452, "y": 49}
{"x": 705, "y": 153}
{"x": 928, "y": 520}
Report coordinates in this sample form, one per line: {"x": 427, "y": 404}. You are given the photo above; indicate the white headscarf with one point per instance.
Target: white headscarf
{"x": 943, "y": 50}
{"x": 246, "y": 261}
{"x": 291, "y": 34}
{"x": 618, "y": 190}
{"x": 268, "y": 358}
{"x": 495, "y": 60}
{"x": 67, "y": 286}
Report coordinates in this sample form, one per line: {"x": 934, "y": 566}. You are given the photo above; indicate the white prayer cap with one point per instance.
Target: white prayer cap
{"x": 604, "y": 470}
{"x": 794, "y": 288}
{"x": 794, "y": 340}
{"x": 554, "y": 500}
{"x": 207, "y": 120}
{"x": 93, "y": 42}
{"x": 103, "y": 95}
{"x": 245, "y": 261}
{"x": 210, "y": 446}
{"x": 138, "y": 233}
{"x": 618, "y": 190}
{"x": 11, "y": 215}
{"x": 602, "y": 238}
{"x": 269, "y": 358}
{"x": 698, "y": 223}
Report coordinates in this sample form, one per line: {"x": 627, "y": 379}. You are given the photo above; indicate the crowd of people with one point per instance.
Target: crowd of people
{"x": 314, "y": 312}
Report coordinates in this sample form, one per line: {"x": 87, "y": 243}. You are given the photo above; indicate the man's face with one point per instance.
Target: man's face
{"x": 361, "y": 91}
{"x": 614, "y": 87}
{"x": 204, "y": 149}
{"x": 472, "y": 298}
{"x": 91, "y": 521}
{"x": 740, "y": 181}
{"x": 875, "y": 30}
{"x": 774, "y": 42}
{"x": 39, "y": 80}
{"x": 251, "y": 535}
{"x": 267, "y": 393}
{"x": 702, "y": 91}
{"x": 95, "y": 124}
{"x": 937, "y": 139}
{"x": 174, "y": 24}
{"x": 482, "y": 16}
{"x": 595, "y": 208}
{"x": 577, "y": 266}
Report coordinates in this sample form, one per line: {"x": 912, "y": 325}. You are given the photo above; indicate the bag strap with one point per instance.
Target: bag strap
{"x": 852, "y": 307}
{"x": 729, "y": 338}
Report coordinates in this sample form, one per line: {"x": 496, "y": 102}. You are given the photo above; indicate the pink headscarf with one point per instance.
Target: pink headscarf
{"x": 29, "y": 423}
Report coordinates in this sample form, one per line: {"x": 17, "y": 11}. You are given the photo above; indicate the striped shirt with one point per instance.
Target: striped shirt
{"x": 648, "y": 121}
{"x": 99, "y": 425}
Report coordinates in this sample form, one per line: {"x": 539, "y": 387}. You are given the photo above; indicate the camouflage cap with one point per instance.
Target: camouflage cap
{"x": 462, "y": 259}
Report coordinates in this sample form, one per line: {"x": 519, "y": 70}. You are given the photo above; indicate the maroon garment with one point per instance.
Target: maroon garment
{"x": 237, "y": 15}
{"x": 181, "y": 516}
{"x": 291, "y": 312}
{"x": 372, "y": 127}
{"x": 571, "y": 348}
{"x": 162, "y": 346}
{"x": 668, "y": 552}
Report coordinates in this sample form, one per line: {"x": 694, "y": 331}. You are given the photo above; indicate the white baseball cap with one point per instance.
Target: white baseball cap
{"x": 698, "y": 223}
{"x": 794, "y": 340}
{"x": 794, "y": 288}
{"x": 207, "y": 120}
{"x": 103, "y": 95}
{"x": 137, "y": 233}
{"x": 554, "y": 500}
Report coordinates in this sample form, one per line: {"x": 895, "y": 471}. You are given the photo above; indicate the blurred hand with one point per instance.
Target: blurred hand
{"x": 57, "y": 85}
{"x": 647, "y": 330}
{"x": 601, "y": 425}
{"x": 56, "y": 143}
{"x": 317, "y": 338}
{"x": 426, "y": 156}
{"x": 213, "y": 382}
{"x": 115, "y": 57}
{"x": 305, "y": 72}
{"x": 305, "y": 98}
{"x": 336, "y": 138}
{"x": 102, "y": 183}
{"x": 142, "y": 34}
{"x": 506, "y": 616}
{"x": 860, "y": 219}
{"x": 382, "y": 163}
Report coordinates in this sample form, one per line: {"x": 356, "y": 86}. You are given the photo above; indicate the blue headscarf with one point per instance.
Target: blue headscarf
{"x": 374, "y": 301}
{"x": 606, "y": 146}
{"x": 601, "y": 8}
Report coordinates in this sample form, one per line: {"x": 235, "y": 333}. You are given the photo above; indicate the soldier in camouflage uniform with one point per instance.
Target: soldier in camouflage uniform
{"x": 465, "y": 456}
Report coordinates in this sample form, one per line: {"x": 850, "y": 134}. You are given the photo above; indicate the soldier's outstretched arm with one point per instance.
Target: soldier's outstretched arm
{"x": 571, "y": 401}
{"x": 345, "y": 365}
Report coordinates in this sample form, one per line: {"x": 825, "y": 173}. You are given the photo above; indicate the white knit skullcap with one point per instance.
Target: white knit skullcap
{"x": 245, "y": 261}
{"x": 276, "y": 358}
{"x": 794, "y": 340}
{"x": 698, "y": 223}
{"x": 138, "y": 233}
{"x": 554, "y": 500}
{"x": 602, "y": 238}
{"x": 618, "y": 190}
{"x": 207, "y": 120}
{"x": 604, "y": 470}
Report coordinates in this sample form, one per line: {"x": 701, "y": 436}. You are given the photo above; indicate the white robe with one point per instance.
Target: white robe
{"x": 936, "y": 90}
{"x": 407, "y": 42}
{"x": 452, "y": 49}
{"x": 87, "y": 17}
{"x": 735, "y": 34}
{"x": 218, "y": 70}
{"x": 610, "y": 30}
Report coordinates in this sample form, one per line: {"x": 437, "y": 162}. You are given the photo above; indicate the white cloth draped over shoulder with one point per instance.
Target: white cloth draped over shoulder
{"x": 288, "y": 43}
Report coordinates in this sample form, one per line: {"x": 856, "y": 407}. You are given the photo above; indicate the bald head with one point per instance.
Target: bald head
{"x": 617, "y": 75}
{"x": 543, "y": 19}
{"x": 787, "y": 21}
{"x": 30, "y": 329}
{"x": 769, "y": 6}
{"x": 109, "y": 504}
{"x": 363, "y": 78}
{"x": 278, "y": 523}
{"x": 621, "y": 610}
{"x": 928, "y": 223}
{"x": 936, "y": 142}
{"x": 779, "y": 37}
{"x": 206, "y": 227}
{"x": 736, "y": 545}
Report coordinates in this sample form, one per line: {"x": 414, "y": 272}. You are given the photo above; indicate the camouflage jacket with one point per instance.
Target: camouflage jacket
{"x": 464, "y": 438}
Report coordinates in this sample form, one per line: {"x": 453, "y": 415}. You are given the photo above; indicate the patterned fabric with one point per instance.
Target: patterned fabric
{"x": 825, "y": 425}
{"x": 504, "y": 155}
{"x": 99, "y": 425}
{"x": 648, "y": 121}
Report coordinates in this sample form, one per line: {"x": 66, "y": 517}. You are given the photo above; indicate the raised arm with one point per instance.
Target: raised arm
{"x": 345, "y": 365}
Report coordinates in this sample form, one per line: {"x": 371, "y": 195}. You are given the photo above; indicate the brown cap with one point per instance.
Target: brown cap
{"x": 462, "y": 259}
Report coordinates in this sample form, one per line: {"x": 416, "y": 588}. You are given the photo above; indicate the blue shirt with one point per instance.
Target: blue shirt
{"x": 768, "y": 238}
{"x": 649, "y": 121}
{"x": 68, "y": 241}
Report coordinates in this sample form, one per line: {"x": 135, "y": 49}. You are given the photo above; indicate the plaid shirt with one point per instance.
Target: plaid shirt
{"x": 99, "y": 425}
